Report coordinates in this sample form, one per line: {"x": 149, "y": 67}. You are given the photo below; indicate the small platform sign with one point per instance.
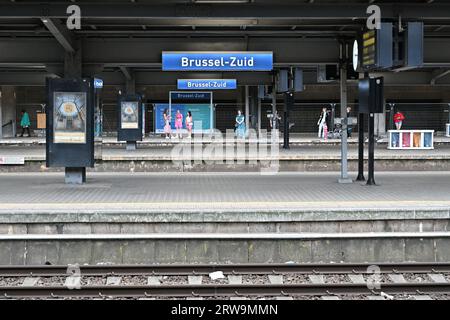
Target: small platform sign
{"x": 12, "y": 160}
{"x": 209, "y": 84}
{"x": 98, "y": 83}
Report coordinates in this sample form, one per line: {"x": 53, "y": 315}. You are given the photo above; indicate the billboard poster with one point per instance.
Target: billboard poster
{"x": 129, "y": 114}
{"x": 201, "y": 114}
{"x": 69, "y": 118}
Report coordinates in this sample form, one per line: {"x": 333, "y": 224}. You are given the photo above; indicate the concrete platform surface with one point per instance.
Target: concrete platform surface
{"x": 295, "y": 138}
{"x": 223, "y": 192}
{"x": 309, "y": 152}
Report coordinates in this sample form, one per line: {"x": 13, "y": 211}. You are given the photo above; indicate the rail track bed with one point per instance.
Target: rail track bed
{"x": 246, "y": 281}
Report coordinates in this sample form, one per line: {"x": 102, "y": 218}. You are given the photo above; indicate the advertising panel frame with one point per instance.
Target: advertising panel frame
{"x": 131, "y": 130}
{"x": 64, "y": 148}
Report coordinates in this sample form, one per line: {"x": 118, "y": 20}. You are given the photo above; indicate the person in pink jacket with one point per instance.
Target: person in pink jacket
{"x": 179, "y": 123}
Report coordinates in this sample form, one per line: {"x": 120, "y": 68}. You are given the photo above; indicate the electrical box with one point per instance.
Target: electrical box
{"x": 371, "y": 95}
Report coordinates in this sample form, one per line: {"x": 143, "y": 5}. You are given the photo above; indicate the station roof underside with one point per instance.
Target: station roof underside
{"x": 132, "y": 34}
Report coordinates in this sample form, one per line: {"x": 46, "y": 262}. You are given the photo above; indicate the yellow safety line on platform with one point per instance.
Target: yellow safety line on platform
{"x": 208, "y": 204}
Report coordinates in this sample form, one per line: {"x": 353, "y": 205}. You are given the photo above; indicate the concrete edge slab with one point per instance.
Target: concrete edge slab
{"x": 137, "y": 215}
{"x": 227, "y": 236}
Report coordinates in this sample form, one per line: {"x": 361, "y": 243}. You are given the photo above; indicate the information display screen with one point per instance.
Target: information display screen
{"x": 202, "y": 115}
{"x": 129, "y": 115}
{"x": 69, "y": 117}
{"x": 369, "y": 49}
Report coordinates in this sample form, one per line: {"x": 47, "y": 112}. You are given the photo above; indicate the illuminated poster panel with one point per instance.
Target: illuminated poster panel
{"x": 69, "y": 117}
{"x": 130, "y": 114}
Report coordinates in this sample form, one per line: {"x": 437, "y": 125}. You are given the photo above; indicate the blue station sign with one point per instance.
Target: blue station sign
{"x": 217, "y": 61}
{"x": 174, "y": 95}
{"x": 209, "y": 84}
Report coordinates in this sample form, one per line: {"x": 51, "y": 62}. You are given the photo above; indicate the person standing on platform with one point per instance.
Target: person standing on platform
{"x": 189, "y": 124}
{"x": 167, "y": 128}
{"x": 275, "y": 121}
{"x": 398, "y": 120}
{"x": 240, "y": 125}
{"x": 349, "y": 127}
{"x": 322, "y": 123}
{"x": 179, "y": 123}
{"x": 25, "y": 123}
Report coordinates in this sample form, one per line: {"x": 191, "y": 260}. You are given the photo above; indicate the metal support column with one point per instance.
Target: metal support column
{"x": 371, "y": 178}
{"x": 333, "y": 116}
{"x": 259, "y": 115}
{"x": 275, "y": 127}
{"x": 360, "y": 148}
{"x": 344, "y": 121}
{"x": 73, "y": 69}
{"x": 448, "y": 113}
{"x": 288, "y": 102}
{"x": 391, "y": 116}
{"x": 247, "y": 107}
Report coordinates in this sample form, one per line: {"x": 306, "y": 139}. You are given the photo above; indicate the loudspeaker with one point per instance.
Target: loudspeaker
{"x": 298, "y": 80}
{"x": 283, "y": 80}
{"x": 261, "y": 91}
{"x": 414, "y": 45}
{"x": 371, "y": 95}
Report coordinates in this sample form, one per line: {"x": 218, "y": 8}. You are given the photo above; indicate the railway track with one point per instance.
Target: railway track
{"x": 223, "y": 288}
{"x": 204, "y": 269}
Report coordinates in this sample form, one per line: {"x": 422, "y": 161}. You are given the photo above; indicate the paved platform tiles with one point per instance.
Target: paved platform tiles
{"x": 295, "y": 138}
{"x": 241, "y": 218}
{"x": 223, "y": 191}
{"x": 316, "y": 152}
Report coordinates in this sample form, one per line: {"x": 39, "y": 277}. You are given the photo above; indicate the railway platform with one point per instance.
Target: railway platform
{"x": 159, "y": 158}
{"x": 223, "y": 218}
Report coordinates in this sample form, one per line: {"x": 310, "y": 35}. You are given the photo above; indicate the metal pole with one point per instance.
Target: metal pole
{"x": 360, "y": 148}
{"x": 344, "y": 143}
{"x": 259, "y": 115}
{"x": 371, "y": 178}
{"x": 333, "y": 116}
{"x": 274, "y": 110}
{"x": 247, "y": 107}
{"x": 449, "y": 113}
{"x": 287, "y": 106}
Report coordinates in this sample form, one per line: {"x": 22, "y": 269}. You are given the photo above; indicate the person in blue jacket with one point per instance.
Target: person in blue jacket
{"x": 240, "y": 125}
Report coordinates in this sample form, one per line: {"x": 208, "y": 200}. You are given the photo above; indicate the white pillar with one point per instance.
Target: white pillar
{"x": 8, "y": 111}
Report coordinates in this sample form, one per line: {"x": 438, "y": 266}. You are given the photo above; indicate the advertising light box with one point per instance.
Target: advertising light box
{"x": 70, "y": 123}
{"x": 69, "y": 117}
{"x": 217, "y": 61}
{"x": 201, "y": 114}
{"x": 130, "y": 118}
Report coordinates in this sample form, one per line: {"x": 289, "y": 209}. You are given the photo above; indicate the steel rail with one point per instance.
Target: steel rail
{"x": 204, "y": 269}
{"x": 132, "y": 291}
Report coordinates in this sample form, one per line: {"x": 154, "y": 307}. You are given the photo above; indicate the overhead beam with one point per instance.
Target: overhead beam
{"x": 438, "y": 74}
{"x": 311, "y": 11}
{"x": 126, "y": 72}
{"x": 61, "y": 33}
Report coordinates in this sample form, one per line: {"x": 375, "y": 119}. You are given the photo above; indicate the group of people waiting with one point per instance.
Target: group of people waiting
{"x": 240, "y": 127}
{"x": 399, "y": 117}
{"x": 323, "y": 126}
{"x": 178, "y": 124}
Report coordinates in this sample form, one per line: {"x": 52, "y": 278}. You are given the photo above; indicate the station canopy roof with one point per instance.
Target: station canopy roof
{"x": 226, "y": 18}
